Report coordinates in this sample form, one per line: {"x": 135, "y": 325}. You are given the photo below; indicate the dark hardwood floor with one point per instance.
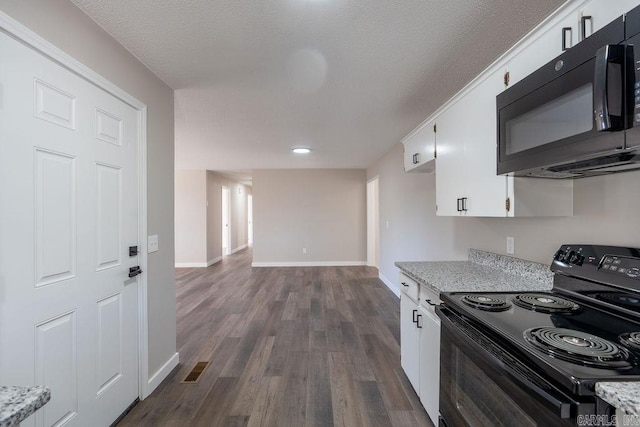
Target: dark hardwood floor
{"x": 316, "y": 346}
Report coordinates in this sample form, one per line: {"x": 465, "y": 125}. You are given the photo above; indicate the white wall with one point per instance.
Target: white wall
{"x": 191, "y": 218}
{"x": 65, "y": 26}
{"x": 322, "y": 210}
{"x": 407, "y": 204}
{"x": 605, "y": 212}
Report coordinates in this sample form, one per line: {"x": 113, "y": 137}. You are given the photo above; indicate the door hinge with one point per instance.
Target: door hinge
{"x": 435, "y": 153}
{"x": 506, "y": 78}
{"x": 434, "y": 128}
{"x": 507, "y": 204}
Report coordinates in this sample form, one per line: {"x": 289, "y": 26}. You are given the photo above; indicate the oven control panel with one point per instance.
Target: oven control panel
{"x": 625, "y": 266}
{"x": 607, "y": 263}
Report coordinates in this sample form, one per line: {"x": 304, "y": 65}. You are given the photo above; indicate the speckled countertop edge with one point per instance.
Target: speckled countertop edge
{"x": 484, "y": 271}
{"x": 623, "y": 395}
{"x": 18, "y": 403}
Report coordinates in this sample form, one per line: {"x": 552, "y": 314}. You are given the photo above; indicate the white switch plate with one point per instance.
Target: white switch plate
{"x": 152, "y": 243}
{"x": 510, "y": 245}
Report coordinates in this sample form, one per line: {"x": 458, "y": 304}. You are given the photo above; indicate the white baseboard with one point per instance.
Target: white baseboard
{"x": 191, "y": 264}
{"x": 310, "y": 264}
{"x": 238, "y": 249}
{"x": 213, "y": 261}
{"x": 162, "y": 373}
{"x": 389, "y": 284}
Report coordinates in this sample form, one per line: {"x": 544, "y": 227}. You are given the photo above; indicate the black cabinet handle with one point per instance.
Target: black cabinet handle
{"x": 583, "y": 26}
{"x": 414, "y": 316}
{"x": 404, "y": 284}
{"x": 565, "y": 30}
{"x": 459, "y": 205}
{"x": 464, "y": 204}
{"x": 134, "y": 271}
{"x": 416, "y": 158}
{"x": 418, "y": 324}
{"x": 430, "y": 303}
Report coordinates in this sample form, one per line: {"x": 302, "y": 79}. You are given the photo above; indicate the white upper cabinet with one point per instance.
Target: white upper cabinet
{"x": 419, "y": 149}
{"x": 466, "y": 179}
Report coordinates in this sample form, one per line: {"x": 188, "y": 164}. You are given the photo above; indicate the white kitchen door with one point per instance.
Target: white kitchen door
{"x": 68, "y": 214}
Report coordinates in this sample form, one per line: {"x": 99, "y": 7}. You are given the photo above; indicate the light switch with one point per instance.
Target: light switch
{"x": 152, "y": 243}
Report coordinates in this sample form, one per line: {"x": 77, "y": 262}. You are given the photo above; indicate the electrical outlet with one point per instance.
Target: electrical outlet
{"x": 152, "y": 243}
{"x": 510, "y": 245}
{"x": 304, "y": 250}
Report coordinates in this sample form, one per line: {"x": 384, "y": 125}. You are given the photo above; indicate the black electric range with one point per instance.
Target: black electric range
{"x": 551, "y": 346}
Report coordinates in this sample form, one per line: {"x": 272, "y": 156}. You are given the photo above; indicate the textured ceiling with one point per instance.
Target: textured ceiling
{"x": 348, "y": 79}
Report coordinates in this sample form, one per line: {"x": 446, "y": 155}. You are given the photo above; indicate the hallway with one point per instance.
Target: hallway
{"x": 315, "y": 346}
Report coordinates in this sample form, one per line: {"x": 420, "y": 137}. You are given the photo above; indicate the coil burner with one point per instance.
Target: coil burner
{"x": 631, "y": 340}
{"x": 486, "y": 303}
{"x": 578, "y": 347}
{"x": 546, "y": 303}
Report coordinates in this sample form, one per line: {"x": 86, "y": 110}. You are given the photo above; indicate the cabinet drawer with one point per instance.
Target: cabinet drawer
{"x": 409, "y": 287}
{"x": 429, "y": 298}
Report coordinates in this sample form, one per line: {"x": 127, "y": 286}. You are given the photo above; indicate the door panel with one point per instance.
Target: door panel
{"x": 68, "y": 213}
{"x": 55, "y": 217}
{"x": 56, "y": 352}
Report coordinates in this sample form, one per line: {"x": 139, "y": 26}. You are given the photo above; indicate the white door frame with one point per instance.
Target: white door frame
{"x": 226, "y": 212}
{"x": 25, "y": 35}
{"x": 373, "y": 222}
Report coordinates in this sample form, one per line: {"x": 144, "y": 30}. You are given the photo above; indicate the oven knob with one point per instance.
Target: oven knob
{"x": 633, "y": 272}
{"x": 569, "y": 257}
{"x": 559, "y": 255}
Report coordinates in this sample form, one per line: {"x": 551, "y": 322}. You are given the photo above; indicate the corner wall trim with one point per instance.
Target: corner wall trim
{"x": 310, "y": 264}
{"x": 161, "y": 374}
{"x": 191, "y": 264}
{"x": 239, "y": 248}
{"x": 213, "y": 261}
{"x": 389, "y": 284}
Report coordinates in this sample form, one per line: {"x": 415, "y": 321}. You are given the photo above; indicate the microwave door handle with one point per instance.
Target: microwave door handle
{"x": 610, "y": 54}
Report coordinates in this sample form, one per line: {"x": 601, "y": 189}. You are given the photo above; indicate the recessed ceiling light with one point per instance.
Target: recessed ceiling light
{"x": 301, "y": 150}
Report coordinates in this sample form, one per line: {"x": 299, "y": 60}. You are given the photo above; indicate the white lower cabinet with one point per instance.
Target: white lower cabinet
{"x": 410, "y": 341}
{"x": 420, "y": 344}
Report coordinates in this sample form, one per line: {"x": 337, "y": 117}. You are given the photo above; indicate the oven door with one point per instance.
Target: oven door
{"x": 481, "y": 384}
{"x": 573, "y": 108}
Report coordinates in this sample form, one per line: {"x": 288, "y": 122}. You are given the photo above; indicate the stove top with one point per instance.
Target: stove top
{"x": 585, "y": 330}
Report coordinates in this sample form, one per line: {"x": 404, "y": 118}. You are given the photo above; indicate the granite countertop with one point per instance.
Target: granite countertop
{"x": 18, "y": 403}
{"x": 625, "y": 396}
{"x": 483, "y": 272}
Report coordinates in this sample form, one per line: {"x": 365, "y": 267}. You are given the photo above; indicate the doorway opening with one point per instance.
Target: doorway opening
{"x": 373, "y": 222}
{"x": 226, "y": 216}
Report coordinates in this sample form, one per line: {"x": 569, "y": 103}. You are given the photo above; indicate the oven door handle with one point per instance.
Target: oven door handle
{"x": 562, "y": 405}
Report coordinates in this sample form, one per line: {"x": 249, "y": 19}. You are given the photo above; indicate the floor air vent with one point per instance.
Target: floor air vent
{"x": 194, "y": 375}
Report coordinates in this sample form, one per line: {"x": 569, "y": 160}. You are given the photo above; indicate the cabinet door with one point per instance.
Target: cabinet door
{"x": 601, "y": 13}
{"x": 409, "y": 341}
{"x": 419, "y": 150}
{"x": 450, "y": 172}
{"x": 485, "y": 191}
{"x": 430, "y": 362}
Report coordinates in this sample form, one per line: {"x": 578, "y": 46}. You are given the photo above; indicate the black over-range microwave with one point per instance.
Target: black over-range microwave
{"x": 578, "y": 115}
